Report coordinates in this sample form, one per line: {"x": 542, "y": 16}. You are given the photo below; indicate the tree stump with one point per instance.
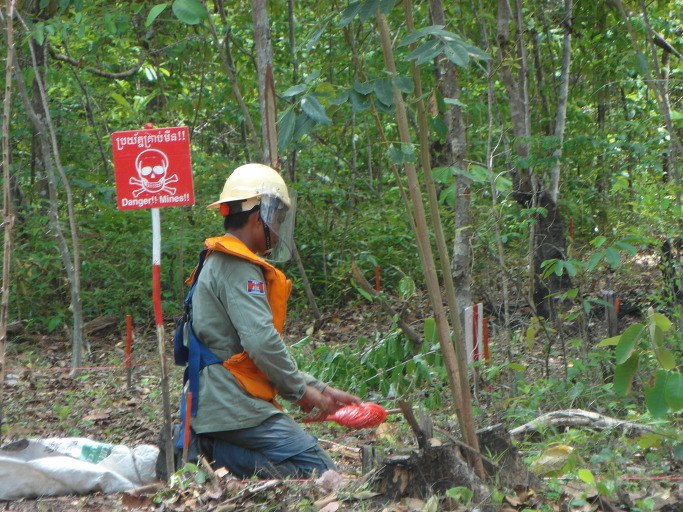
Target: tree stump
{"x": 509, "y": 470}
{"x": 432, "y": 470}
{"x": 437, "y": 467}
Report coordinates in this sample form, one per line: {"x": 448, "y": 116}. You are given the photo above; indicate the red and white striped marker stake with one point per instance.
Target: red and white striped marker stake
{"x": 476, "y": 334}
{"x": 159, "y": 319}
{"x": 129, "y": 342}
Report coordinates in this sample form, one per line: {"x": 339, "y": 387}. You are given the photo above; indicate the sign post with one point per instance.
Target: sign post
{"x": 153, "y": 169}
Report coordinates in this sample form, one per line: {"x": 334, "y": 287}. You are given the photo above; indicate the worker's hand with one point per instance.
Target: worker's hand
{"x": 326, "y": 402}
{"x": 340, "y": 398}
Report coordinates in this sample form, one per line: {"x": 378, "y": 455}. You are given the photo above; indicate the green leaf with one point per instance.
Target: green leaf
{"x": 430, "y": 330}
{"x": 365, "y": 294}
{"x": 550, "y": 266}
{"x": 368, "y": 9}
{"x": 661, "y": 320}
{"x": 312, "y": 77}
{"x": 571, "y": 268}
{"x": 440, "y": 127}
{"x": 340, "y": 99}
{"x": 476, "y": 53}
{"x": 120, "y": 100}
{"x": 673, "y": 391}
{"x": 310, "y": 44}
{"x": 395, "y": 155}
{"x": 406, "y": 287}
{"x": 359, "y": 103}
{"x": 623, "y": 375}
{"x": 627, "y": 342}
{"x": 53, "y": 323}
{"x": 384, "y": 91}
{"x": 457, "y": 53}
{"x": 598, "y": 241}
{"x": 39, "y": 33}
{"x": 154, "y": 13}
{"x": 403, "y": 84}
{"x": 626, "y": 247}
{"x": 447, "y": 195}
{"x": 314, "y": 109}
{"x": 304, "y": 125}
{"x": 462, "y": 495}
{"x": 678, "y": 451}
{"x": 665, "y": 358}
{"x": 408, "y": 151}
{"x": 294, "y": 90}
{"x": 190, "y": 12}
{"x": 612, "y": 257}
{"x": 654, "y": 396}
{"x": 411, "y": 38}
{"x": 530, "y": 337}
{"x": 594, "y": 260}
{"x": 649, "y": 440}
{"x": 587, "y": 476}
{"x": 286, "y": 130}
{"x": 426, "y": 52}
{"x": 349, "y": 13}
{"x": 364, "y": 88}
{"x": 609, "y": 342}
{"x": 453, "y": 101}
{"x": 433, "y": 30}
{"x": 442, "y": 174}
{"x": 386, "y": 5}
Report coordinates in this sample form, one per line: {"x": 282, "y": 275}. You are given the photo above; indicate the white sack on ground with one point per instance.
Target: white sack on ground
{"x": 53, "y": 467}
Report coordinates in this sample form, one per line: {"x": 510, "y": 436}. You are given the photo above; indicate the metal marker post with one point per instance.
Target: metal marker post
{"x": 153, "y": 168}
{"x": 159, "y": 318}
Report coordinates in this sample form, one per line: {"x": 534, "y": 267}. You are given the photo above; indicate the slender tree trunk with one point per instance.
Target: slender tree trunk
{"x": 224, "y": 52}
{"x": 49, "y": 153}
{"x": 266, "y": 83}
{"x": 7, "y": 216}
{"x": 561, "y": 109}
{"x": 547, "y": 240}
{"x": 264, "y": 54}
{"x": 655, "y": 81}
{"x": 462, "y": 397}
{"x": 449, "y": 85}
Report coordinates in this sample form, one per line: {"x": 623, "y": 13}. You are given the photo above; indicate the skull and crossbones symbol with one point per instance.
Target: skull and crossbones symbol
{"x": 152, "y": 167}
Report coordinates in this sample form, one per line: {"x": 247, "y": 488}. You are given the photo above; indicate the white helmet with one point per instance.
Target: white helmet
{"x": 259, "y": 185}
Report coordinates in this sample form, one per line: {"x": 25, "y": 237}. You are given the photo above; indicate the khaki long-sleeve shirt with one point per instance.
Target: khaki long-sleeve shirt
{"x": 230, "y": 313}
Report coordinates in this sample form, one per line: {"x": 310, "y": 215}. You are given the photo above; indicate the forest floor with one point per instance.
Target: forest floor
{"x": 42, "y": 401}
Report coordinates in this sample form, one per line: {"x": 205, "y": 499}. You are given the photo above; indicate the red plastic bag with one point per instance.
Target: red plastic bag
{"x": 365, "y": 415}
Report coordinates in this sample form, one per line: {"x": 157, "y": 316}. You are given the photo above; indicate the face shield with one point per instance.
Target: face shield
{"x": 280, "y": 218}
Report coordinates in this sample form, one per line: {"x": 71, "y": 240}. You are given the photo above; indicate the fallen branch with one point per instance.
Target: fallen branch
{"x": 576, "y": 418}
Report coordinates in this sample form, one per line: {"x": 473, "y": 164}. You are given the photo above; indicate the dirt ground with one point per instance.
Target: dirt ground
{"x": 42, "y": 400}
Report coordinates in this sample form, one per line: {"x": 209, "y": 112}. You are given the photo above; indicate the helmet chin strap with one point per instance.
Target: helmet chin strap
{"x": 266, "y": 234}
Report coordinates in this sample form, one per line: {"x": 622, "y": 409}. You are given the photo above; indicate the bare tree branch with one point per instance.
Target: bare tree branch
{"x": 98, "y": 72}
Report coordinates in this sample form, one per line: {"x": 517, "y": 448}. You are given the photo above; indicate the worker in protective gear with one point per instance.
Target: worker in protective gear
{"x": 238, "y": 312}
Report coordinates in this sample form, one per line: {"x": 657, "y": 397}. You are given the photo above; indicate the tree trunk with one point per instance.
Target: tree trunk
{"x": 547, "y": 239}
{"x": 449, "y": 84}
{"x": 461, "y": 394}
{"x": 266, "y": 84}
{"x": 7, "y": 217}
{"x": 49, "y": 155}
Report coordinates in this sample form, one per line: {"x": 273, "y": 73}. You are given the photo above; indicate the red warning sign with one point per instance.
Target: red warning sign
{"x": 152, "y": 168}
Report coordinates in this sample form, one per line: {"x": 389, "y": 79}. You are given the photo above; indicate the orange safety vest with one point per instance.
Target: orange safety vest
{"x": 278, "y": 289}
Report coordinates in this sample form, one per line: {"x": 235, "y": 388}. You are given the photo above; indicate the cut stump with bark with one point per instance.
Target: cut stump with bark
{"x": 509, "y": 470}
{"x": 436, "y": 467}
{"x": 432, "y": 470}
